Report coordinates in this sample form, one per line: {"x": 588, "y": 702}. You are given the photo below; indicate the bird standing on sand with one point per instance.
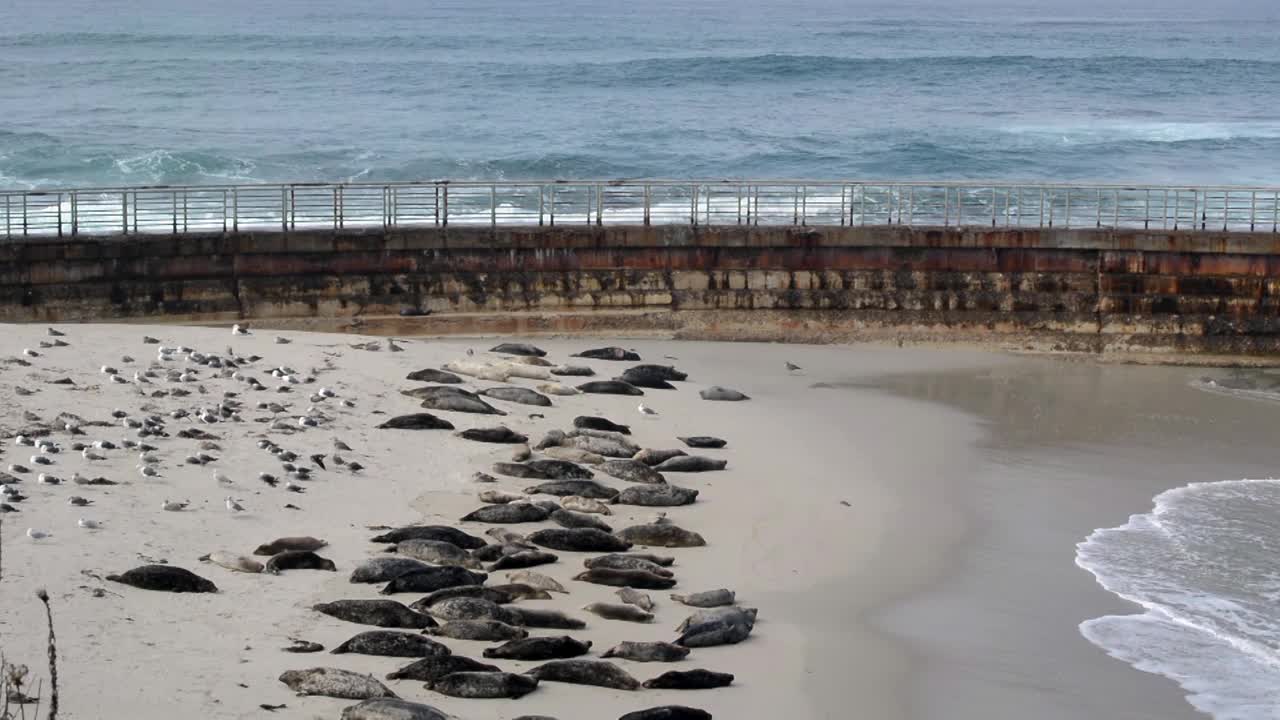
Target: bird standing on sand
{"x": 221, "y": 477}
{"x": 56, "y": 333}
{"x": 646, "y": 410}
{"x": 318, "y": 459}
{"x": 88, "y": 524}
{"x": 234, "y": 506}
{"x": 77, "y": 501}
{"x": 173, "y": 506}
{"x": 30, "y": 353}
{"x": 238, "y": 330}
{"x": 339, "y": 445}
{"x": 35, "y": 534}
{"x": 792, "y": 367}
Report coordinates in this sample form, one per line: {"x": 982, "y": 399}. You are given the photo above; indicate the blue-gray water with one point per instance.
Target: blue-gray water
{"x": 152, "y": 91}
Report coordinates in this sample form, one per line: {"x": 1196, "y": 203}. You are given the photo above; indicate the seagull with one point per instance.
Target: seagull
{"x": 126, "y": 359}
{"x": 238, "y": 330}
{"x": 339, "y": 445}
{"x": 305, "y": 421}
{"x": 294, "y": 487}
{"x": 221, "y": 477}
{"x": 23, "y": 440}
{"x": 45, "y": 479}
{"x": 391, "y": 346}
{"x": 282, "y": 340}
{"x": 354, "y": 466}
{"x": 148, "y": 340}
{"x": 90, "y": 455}
{"x": 326, "y": 392}
{"x": 40, "y": 460}
{"x": 148, "y": 471}
{"x": 234, "y": 506}
{"x": 77, "y": 501}
{"x": 55, "y": 333}
{"x": 646, "y": 410}
{"x": 792, "y": 367}
{"x": 318, "y": 459}
{"x": 470, "y": 352}
{"x": 348, "y": 403}
{"x": 108, "y": 370}
{"x": 19, "y": 469}
{"x": 268, "y": 478}
{"x": 173, "y": 506}
{"x": 35, "y": 534}
{"x": 88, "y": 524}
{"x": 30, "y": 353}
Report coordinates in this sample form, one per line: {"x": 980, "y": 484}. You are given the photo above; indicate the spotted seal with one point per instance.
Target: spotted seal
{"x": 500, "y": 434}
{"x": 668, "y": 712}
{"x": 703, "y": 441}
{"x": 432, "y": 579}
{"x": 435, "y": 376}
{"x": 661, "y": 535}
{"x": 540, "y": 648}
{"x": 522, "y": 396}
{"x": 715, "y": 392}
{"x": 485, "y": 630}
{"x": 553, "y": 619}
{"x": 610, "y": 387}
{"x": 445, "y": 533}
{"x": 632, "y": 596}
{"x": 432, "y": 668}
{"x": 519, "y": 349}
{"x": 581, "y": 488}
{"x": 523, "y": 559}
{"x": 632, "y": 471}
{"x": 647, "y": 651}
{"x": 380, "y": 613}
{"x": 335, "y": 683}
{"x": 579, "y": 539}
{"x": 383, "y": 569}
{"x": 233, "y": 562}
{"x": 707, "y": 599}
{"x": 392, "y": 709}
{"x": 298, "y": 560}
{"x": 570, "y": 519}
{"x": 664, "y": 495}
{"x": 537, "y": 580}
{"x": 600, "y": 673}
{"x": 391, "y": 643}
{"x": 615, "y": 611}
{"x": 280, "y": 545}
{"x": 485, "y": 685}
{"x": 617, "y": 561}
{"x": 625, "y": 578}
{"x": 691, "y": 463}
{"x": 599, "y": 423}
{"x": 609, "y": 353}
{"x": 516, "y": 512}
{"x": 416, "y": 421}
{"x": 436, "y": 551}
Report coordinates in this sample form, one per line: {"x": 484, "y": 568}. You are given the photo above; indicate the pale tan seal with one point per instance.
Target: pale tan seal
{"x": 573, "y": 454}
{"x": 584, "y": 504}
{"x": 233, "y": 562}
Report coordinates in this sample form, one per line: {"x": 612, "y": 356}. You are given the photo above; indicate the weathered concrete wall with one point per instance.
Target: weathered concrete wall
{"x": 1091, "y": 290}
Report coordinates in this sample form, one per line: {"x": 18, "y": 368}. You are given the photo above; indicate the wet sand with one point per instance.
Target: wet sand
{"x": 904, "y": 519}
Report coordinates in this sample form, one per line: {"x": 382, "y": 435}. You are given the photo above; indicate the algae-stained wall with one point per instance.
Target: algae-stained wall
{"x": 1095, "y": 289}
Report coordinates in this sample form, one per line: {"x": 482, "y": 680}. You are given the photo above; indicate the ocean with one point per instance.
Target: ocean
{"x": 162, "y": 92}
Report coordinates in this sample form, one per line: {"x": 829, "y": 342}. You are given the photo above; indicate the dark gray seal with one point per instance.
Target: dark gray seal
{"x": 570, "y": 519}
{"x": 523, "y": 396}
{"x": 553, "y": 619}
{"x": 642, "y": 380}
{"x": 442, "y": 397}
{"x": 432, "y": 579}
{"x": 712, "y": 633}
{"x": 691, "y": 463}
{"x": 279, "y": 545}
{"x": 485, "y": 685}
{"x": 647, "y": 651}
{"x": 617, "y": 611}
{"x": 483, "y": 630}
{"x": 698, "y": 679}
{"x": 424, "y": 604}
{"x": 499, "y": 434}
{"x": 630, "y": 561}
{"x": 523, "y": 559}
{"x": 539, "y": 648}
{"x": 715, "y": 392}
{"x": 164, "y": 578}
{"x": 732, "y": 614}
{"x": 392, "y": 709}
{"x": 433, "y": 668}
{"x": 390, "y": 643}
{"x": 524, "y": 349}
{"x": 600, "y": 673}
{"x": 519, "y": 591}
{"x": 668, "y": 712}
{"x": 656, "y": 372}
{"x": 610, "y": 387}
{"x": 298, "y": 560}
{"x": 435, "y": 376}
{"x": 573, "y": 371}
{"x": 581, "y": 539}
{"x": 416, "y": 421}
{"x": 706, "y": 599}
{"x": 335, "y": 683}
{"x": 609, "y": 353}
{"x": 632, "y": 471}
{"x": 383, "y": 569}
{"x": 661, "y": 535}
{"x": 553, "y": 438}
{"x": 380, "y": 613}
{"x": 519, "y": 470}
{"x": 703, "y": 441}
{"x": 435, "y": 551}
{"x": 599, "y": 423}
{"x": 583, "y": 488}
{"x": 656, "y": 496}
{"x": 445, "y": 533}
{"x": 560, "y": 469}
{"x": 516, "y": 512}
{"x": 626, "y": 578}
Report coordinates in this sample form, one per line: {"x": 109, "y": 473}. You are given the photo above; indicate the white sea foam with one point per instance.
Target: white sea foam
{"x": 1155, "y": 132}
{"x": 1205, "y": 565}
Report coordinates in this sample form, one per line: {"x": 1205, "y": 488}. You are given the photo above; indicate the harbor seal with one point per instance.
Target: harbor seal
{"x": 573, "y": 454}
{"x": 668, "y": 712}
{"x": 656, "y": 496}
{"x": 631, "y": 561}
{"x": 164, "y": 578}
{"x": 582, "y": 488}
{"x": 662, "y": 534}
{"x": 539, "y": 648}
{"x": 451, "y": 399}
{"x": 484, "y": 630}
{"x": 464, "y": 540}
{"x": 553, "y": 619}
{"x": 577, "y": 503}
{"x": 519, "y": 349}
{"x": 500, "y": 434}
{"x": 570, "y": 519}
{"x": 632, "y": 471}
{"x": 379, "y": 613}
{"x": 335, "y": 683}
{"x": 652, "y": 457}
{"x": 608, "y": 353}
{"x": 626, "y": 578}
{"x": 473, "y": 608}
{"x": 715, "y": 392}
{"x": 641, "y": 380}
{"x": 392, "y": 709}
{"x": 579, "y": 539}
{"x": 298, "y": 560}
{"x": 655, "y": 372}
{"x": 518, "y": 470}
{"x": 435, "y": 376}
{"x": 280, "y": 545}
{"x": 557, "y": 389}
{"x": 433, "y": 668}
{"x": 383, "y": 569}
{"x": 631, "y": 596}
{"x": 698, "y": 679}
{"x": 572, "y": 371}
{"x": 485, "y": 685}
{"x": 432, "y": 579}
{"x": 233, "y": 562}
{"x": 523, "y": 559}
{"x": 423, "y": 604}
{"x": 416, "y": 421}
{"x": 391, "y": 643}
{"x": 615, "y": 611}
{"x": 521, "y": 453}
{"x": 598, "y": 423}
{"x": 600, "y": 673}
{"x": 519, "y": 591}
{"x": 560, "y": 470}
{"x": 712, "y": 633}
{"x": 730, "y": 614}
{"x": 517, "y": 512}
{"x": 436, "y": 551}
{"x": 647, "y": 651}
{"x": 691, "y": 463}
{"x": 610, "y": 387}
{"x": 522, "y": 396}
{"x": 553, "y": 438}
{"x": 500, "y": 497}
{"x": 703, "y": 441}
{"x": 537, "y": 580}
{"x": 707, "y": 599}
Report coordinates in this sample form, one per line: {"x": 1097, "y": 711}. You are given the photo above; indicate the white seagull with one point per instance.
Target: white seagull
{"x": 173, "y": 506}
{"x": 221, "y": 477}
{"x": 646, "y": 410}
{"x": 234, "y": 506}
{"x": 88, "y": 524}
{"x": 237, "y": 330}
{"x": 35, "y": 534}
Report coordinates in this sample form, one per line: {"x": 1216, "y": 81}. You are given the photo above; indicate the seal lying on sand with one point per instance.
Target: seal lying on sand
{"x": 580, "y": 539}
{"x": 703, "y": 441}
{"x": 647, "y": 651}
{"x": 433, "y": 668}
{"x": 715, "y": 392}
{"x": 581, "y": 488}
{"x": 298, "y": 560}
{"x": 572, "y": 371}
{"x": 712, "y": 633}
{"x": 577, "y": 503}
{"x": 392, "y": 709}
{"x": 279, "y": 545}
{"x": 500, "y": 497}
{"x": 485, "y": 685}
{"x": 440, "y": 397}
{"x": 537, "y": 580}
{"x": 632, "y": 471}
{"x": 553, "y": 619}
{"x": 668, "y": 712}
{"x": 652, "y": 457}
{"x": 570, "y": 519}
{"x": 585, "y": 672}
{"x": 707, "y": 599}
{"x": 733, "y": 614}
{"x": 610, "y": 387}
{"x": 573, "y": 454}
{"x": 233, "y": 562}
{"x": 635, "y": 597}
{"x": 608, "y": 353}
{"x": 390, "y": 643}
{"x": 691, "y": 463}
{"x": 631, "y": 561}
{"x": 615, "y": 611}
{"x": 519, "y": 349}
{"x": 484, "y": 630}
{"x": 335, "y": 683}
{"x": 626, "y": 578}
{"x": 656, "y": 496}
{"x": 425, "y": 604}
{"x": 656, "y": 372}
{"x": 599, "y": 423}
{"x": 436, "y": 551}
{"x": 499, "y": 434}
{"x": 383, "y": 569}
{"x": 380, "y": 613}
{"x": 164, "y": 578}
{"x": 560, "y": 470}
{"x": 523, "y": 396}
{"x": 432, "y": 579}
{"x": 445, "y": 533}
{"x": 435, "y": 376}
{"x": 523, "y": 559}
{"x": 416, "y": 421}
{"x": 698, "y": 679}
{"x": 516, "y": 512}
{"x": 661, "y": 535}
{"x": 540, "y": 648}
{"x": 467, "y": 608}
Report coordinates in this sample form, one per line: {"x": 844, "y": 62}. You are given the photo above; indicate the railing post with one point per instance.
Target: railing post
{"x": 1253, "y": 209}
{"x": 493, "y": 205}
{"x": 1146, "y": 220}
{"x": 542, "y": 191}
{"x": 444, "y": 197}
{"x": 24, "y": 214}
{"x": 1041, "y": 206}
{"x": 124, "y": 212}
{"x": 756, "y": 213}
{"x": 235, "y": 210}
{"x": 551, "y": 211}
{"x": 75, "y": 214}
{"x": 1066, "y": 220}
{"x": 862, "y": 204}
{"x": 1226, "y": 208}
{"x": 648, "y": 204}
{"x": 186, "y": 220}
{"x": 173, "y": 207}
{"x": 959, "y": 207}
{"x": 335, "y": 207}
{"x": 911, "y": 206}
{"x": 804, "y": 205}
{"x": 994, "y": 204}
{"x": 59, "y": 214}
{"x": 1116, "y": 224}
{"x": 1164, "y": 211}
{"x": 1275, "y": 212}
{"x": 284, "y": 209}
{"x": 8, "y": 230}
{"x": 599, "y": 205}
{"x": 1050, "y": 191}
{"x": 843, "y": 188}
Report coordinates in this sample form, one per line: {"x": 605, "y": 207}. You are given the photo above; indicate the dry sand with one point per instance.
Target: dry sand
{"x": 848, "y": 515}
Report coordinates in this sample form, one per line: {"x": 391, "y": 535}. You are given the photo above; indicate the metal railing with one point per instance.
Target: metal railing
{"x": 287, "y": 207}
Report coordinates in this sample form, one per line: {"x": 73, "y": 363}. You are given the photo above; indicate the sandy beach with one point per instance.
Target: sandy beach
{"x": 905, "y": 521}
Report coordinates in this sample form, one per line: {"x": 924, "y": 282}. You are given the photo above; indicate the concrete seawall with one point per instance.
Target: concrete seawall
{"x": 1090, "y": 290}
